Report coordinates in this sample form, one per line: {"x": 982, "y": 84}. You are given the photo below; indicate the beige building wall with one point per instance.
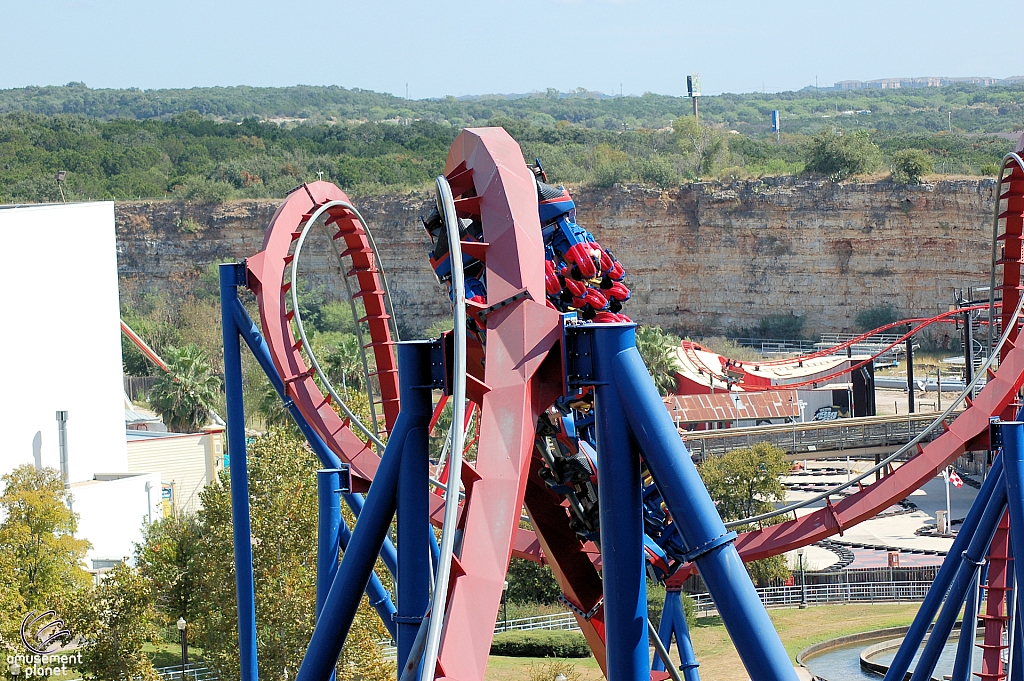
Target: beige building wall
{"x": 186, "y": 462}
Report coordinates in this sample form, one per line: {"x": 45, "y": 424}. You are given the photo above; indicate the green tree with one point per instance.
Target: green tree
{"x": 282, "y": 479}
{"x": 38, "y": 536}
{"x": 530, "y": 582}
{"x": 703, "y": 143}
{"x": 166, "y": 558}
{"x": 657, "y": 348}
{"x": 185, "y": 393}
{"x": 747, "y": 482}
{"x": 874, "y": 317}
{"x": 909, "y": 165}
{"x": 114, "y": 620}
{"x": 839, "y": 154}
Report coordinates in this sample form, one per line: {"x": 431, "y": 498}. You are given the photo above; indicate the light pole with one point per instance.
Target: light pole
{"x": 504, "y": 605}
{"x": 182, "y": 626}
{"x": 803, "y": 579}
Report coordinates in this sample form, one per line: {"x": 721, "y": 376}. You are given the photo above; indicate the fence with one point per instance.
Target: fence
{"x": 839, "y": 592}
{"x": 193, "y": 672}
{"x": 816, "y": 436}
{"x": 137, "y": 387}
{"x": 558, "y": 620}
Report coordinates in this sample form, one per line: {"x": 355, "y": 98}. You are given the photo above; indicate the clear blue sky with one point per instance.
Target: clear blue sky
{"x": 467, "y": 47}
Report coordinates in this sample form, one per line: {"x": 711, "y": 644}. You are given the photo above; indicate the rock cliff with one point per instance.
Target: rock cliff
{"x": 702, "y": 257}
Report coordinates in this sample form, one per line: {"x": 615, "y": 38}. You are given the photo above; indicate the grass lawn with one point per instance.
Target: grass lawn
{"x": 169, "y": 654}
{"x": 715, "y": 652}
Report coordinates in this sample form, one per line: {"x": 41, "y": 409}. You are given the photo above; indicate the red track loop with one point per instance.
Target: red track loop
{"x": 266, "y": 272}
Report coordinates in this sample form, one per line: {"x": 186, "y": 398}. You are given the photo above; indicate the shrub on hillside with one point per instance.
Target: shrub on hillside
{"x": 909, "y": 165}
{"x": 540, "y": 644}
{"x": 839, "y": 154}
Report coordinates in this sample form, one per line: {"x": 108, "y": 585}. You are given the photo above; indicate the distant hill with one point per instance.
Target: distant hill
{"x": 975, "y": 108}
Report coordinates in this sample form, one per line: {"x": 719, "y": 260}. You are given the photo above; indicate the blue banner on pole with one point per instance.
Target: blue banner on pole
{"x": 776, "y": 127}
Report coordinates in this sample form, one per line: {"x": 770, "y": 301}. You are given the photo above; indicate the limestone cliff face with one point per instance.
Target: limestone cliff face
{"x": 704, "y": 257}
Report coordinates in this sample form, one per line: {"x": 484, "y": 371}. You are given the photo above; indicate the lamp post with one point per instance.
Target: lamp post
{"x": 182, "y": 626}
{"x": 15, "y": 670}
{"x": 504, "y": 605}
{"x": 803, "y": 579}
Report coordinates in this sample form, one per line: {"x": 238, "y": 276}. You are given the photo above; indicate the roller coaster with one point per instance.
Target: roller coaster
{"x": 571, "y": 429}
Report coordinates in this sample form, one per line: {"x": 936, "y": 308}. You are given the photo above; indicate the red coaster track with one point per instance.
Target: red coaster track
{"x": 521, "y": 378}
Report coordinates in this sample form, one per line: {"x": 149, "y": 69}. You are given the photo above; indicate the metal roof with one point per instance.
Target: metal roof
{"x": 735, "y": 406}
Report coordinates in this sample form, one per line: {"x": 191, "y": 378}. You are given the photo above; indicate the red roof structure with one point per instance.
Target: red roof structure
{"x": 733, "y": 407}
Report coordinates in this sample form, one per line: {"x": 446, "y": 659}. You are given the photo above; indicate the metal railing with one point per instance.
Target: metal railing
{"x": 815, "y": 437}
{"x": 555, "y": 621}
{"x": 821, "y": 594}
{"x": 192, "y": 672}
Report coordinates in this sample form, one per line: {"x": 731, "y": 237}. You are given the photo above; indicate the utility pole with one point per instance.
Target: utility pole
{"x": 693, "y": 90}
{"x": 910, "y": 374}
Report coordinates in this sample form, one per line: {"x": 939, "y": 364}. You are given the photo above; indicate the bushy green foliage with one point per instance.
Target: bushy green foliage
{"x": 975, "y": 108}
{"x": 539, "y": 643}
{"x": 114, "y": 620}
{"x": 909, "y": 165}
{"x": 839, "y": 154}
{"x": 786, "y": 326}
{"x": 282, "y": 479}
{"x": 657, "y": 347}
{"x": 37, "y": 534}
{"x": 747, "y": 482}
{"x": 530, "y": 582}
{"x": 185, "y": 393}
{"x": 874, "y": 317}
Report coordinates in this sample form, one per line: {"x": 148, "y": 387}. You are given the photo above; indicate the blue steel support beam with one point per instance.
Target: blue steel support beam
{"x": 963, "y": 667}
{"x": 926, "y": 614}
{"x": 335, "y": 621}
{"x": 1013, "y": 453}
{"x": 388, "y": 553}
{"x": 380, "y": 599}
{"x": 973, "y": 558}
{"x": 328, "y": 533}
{"x": 413, "y": 512}
{"x": 231, "y": 277}
{"x": 709, "y": 543}
{"x": 673, "y": 620}
{"x": 622, "y": 530}
{"x": 328, "y": 536}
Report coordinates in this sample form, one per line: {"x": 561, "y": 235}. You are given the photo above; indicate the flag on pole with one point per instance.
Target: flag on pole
{"x": 955, "y": 479}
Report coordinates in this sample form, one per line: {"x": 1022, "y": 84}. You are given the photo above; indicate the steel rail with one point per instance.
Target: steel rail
{"x": 1012, "y": 156}
{"x": 446, "y": 204}
{"x": 298, "y": 315}
{"x": 790, "y": 508}
{"x": 355, "y": 321}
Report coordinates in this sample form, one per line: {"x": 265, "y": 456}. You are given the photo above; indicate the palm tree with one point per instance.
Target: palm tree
{"x": 184, "y": 394}
{"x": 656, "y": 347}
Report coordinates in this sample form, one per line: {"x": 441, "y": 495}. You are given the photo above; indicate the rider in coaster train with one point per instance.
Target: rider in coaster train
{"x": 583, "y": 278}
{"x": 579, "y": 275}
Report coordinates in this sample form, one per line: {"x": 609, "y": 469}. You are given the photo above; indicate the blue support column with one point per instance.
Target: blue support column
{"x": 973, "y": 558}
{"x": 622, "y": 532}
{"x": 709, "y": 543}
{"x": 963, "y": 667}
{"x": 328, "y": 538}
{"x": 926, "y": 613}
{"x": 380, "y": 599}
{"x": 1013, "y": 453}
{"x": 673, "y": 621}
{"x": 413, "y": 512}
{"x": 231, "y": 277}
{"x": 335, "y": 621}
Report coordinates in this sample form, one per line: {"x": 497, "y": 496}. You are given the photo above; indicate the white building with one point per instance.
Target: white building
{"x": 61, "y": 350}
